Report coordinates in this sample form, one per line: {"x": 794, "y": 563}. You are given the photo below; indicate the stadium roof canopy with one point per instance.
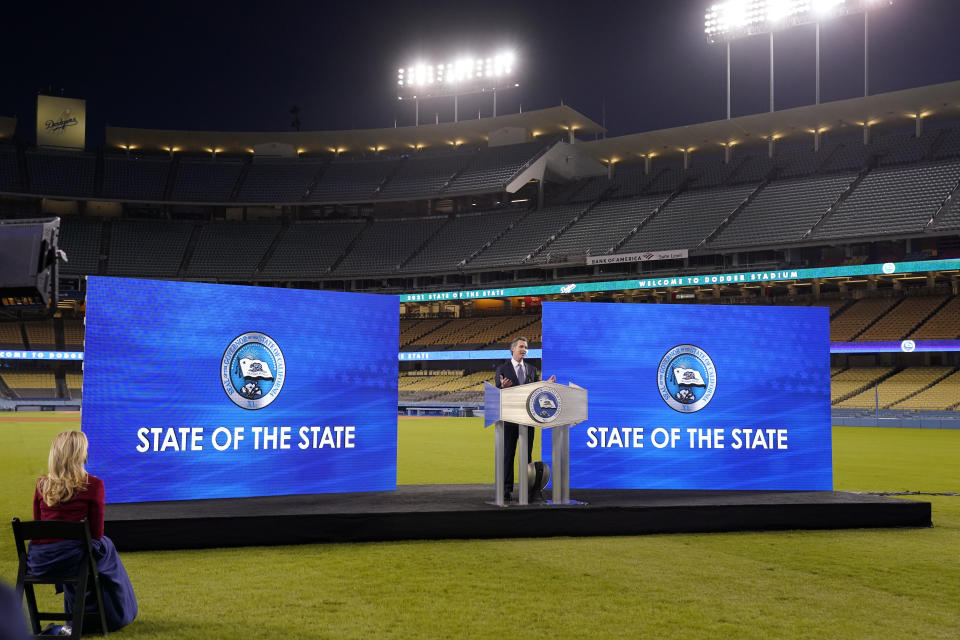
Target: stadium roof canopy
{"x": 7, "y": 127}
{"x": 556, "y": 120}
{"x": 885, "y": 110}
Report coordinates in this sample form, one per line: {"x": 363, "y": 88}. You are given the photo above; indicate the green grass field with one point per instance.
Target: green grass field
{"x": 889, "y": 583}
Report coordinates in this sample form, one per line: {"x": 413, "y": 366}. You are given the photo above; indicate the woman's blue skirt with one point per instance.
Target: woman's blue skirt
{"x": 64, "y": 558}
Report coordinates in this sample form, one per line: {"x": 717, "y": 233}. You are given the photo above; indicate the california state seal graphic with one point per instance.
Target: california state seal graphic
{"x": 687, "y": 378}
{"x": 252, "y": 370}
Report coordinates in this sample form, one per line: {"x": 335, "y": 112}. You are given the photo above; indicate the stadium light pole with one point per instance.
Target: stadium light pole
{"x": 732, "y": 19}
{"x": 462, "y": 76}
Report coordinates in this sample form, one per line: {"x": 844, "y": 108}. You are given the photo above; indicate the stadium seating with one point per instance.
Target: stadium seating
{"x": 310, "y": 249}
{"x": 892, "y": 200}
{"x": 148, "y": 248}
{"x": 899, "y": 147}
{"x": 527, "y": 235}
{"x": 417, "y": 330}
{"x": 40, "y": 335}
{"x": 135, "y": 177}
{"x": 272, "y": 180}
{"x": 384, "y": 245}
{"x": 199, "y": 180}
{"x": 512, "y": 328}
{"x": 949, "y": 219}
{"x": 900, "y": 320}
{"x": 467, "y": 332}
{"x": 853, "y": 381}
{"x": 75, "y": 385}
{"x": 943, "y": 395}
{"x": 31, "y": 385}
{"x": 9, "y": 169}
{"x": 853, "y": 320}
{"x": 687, "y": 219}
{"x": 459, "y": 238}
{"x": 62, "y": 173}
{"x": 10, "y": 337}
{"x": 667, "y": 180}
{"x": 847, "y": 155}
{"x": 424, "y": 174}
{"x": 230, "y": 250}
{"x": 896, "y": 388}
{"x": 943, "y": 325}
{"x": 949, "y": 145}
{"x": 782, "y": 212}
{"x": 80, "y": 240}
{"x": 73, "y": 334}
{"x": 352, "y": 180}
{"x": 600, "y": 228}
{"x": 796, "y": 160}
{"x": 443, "y": 386}
{"x": 493, "y": 167}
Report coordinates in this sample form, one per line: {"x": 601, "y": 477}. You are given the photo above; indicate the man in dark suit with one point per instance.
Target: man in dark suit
{"x": 513, "y": 372}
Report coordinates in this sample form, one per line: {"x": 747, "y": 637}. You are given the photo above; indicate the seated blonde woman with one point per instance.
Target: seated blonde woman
{"x": 68, "y": 492}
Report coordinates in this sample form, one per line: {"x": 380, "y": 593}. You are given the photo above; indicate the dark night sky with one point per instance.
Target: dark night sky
{"x": 228, "y": 66}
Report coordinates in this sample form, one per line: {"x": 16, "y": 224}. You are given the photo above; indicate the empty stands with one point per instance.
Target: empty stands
{"x": 75, "y": 385}
{"x": 199, "y": 180}
{"x": 493, "y": 167}
{"x": 351, "y": 180}
{"x": 62, "y": 173}
{"x": 135, "y": 177}
{"x": 892, "y": 200}
{"x": 270, "y": 180}
{"x": 853, "y": 320}
{"x": 40, "y": 335}
{"x": 383, "y": 245}
{"x": 854, "y": 381}
{"x": 941, "y": 396}
{"x": 310, "y": 249}
{"x": 424, "y": 174}
{"x": 687, "y": 219}
{"x": 415, "y": 331}
{"x": 10, "y": 337}
{"x": 148, "y": 248}
{"x": 80, "y": 240}
{"x": 943, "y": 325}
{"x": 600, "y": 228}
{"x": 9, "y": 169}
{"x": 526, "y": 236}
{"x": 31, "y": 385}
{"x": 900, "y": 320}
{"x": 73, "y": 334}
{"x": 782, "y": 212}
{"x": 459, "y": 238}
{"x": 894, "y": 389}
{"x": 230, "y": 250}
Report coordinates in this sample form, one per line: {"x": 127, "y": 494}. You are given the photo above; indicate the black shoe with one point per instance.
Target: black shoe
{"x": 507, "y": 496}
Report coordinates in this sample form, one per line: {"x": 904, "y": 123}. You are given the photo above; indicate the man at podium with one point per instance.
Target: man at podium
{"x": 513, "y": 372}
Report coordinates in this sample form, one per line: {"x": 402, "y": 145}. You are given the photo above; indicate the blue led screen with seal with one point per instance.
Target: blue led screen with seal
{"x": 196, "y": 390}
{"x": 695, "y": 397}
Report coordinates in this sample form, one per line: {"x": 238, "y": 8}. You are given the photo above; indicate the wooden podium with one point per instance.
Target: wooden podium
{"x": 543, "y": 405}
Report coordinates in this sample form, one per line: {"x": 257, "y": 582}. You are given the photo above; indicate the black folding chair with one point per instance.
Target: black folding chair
{"x": 86, "y": 575}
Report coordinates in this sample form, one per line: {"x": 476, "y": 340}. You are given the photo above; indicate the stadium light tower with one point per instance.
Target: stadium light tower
{"x": 733, "y": 19}
{"x": 461, "y": 76}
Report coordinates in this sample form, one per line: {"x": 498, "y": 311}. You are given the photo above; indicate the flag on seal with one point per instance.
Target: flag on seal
{"x": 253, "y": 368}
{"x": 686, "y": 377}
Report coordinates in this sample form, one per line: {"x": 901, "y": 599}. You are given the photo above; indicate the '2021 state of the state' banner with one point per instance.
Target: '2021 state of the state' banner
{"x": 695, "y": 396}
{"x": 198, "y": 390}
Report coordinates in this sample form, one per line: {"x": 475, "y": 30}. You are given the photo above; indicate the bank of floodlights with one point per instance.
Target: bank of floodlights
{"x": 739, "y": 18}
{"x": 726, "y": 21}
{"x": 464, "y": 75}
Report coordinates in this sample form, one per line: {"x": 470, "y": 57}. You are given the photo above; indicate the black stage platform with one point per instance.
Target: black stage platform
{"x": 433, "y": 512}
